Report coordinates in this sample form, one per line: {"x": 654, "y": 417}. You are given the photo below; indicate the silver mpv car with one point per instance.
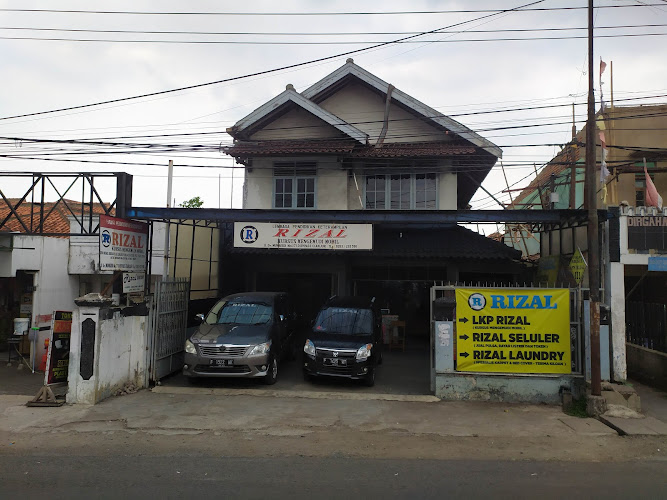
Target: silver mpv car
{"x": 243, "y": 335}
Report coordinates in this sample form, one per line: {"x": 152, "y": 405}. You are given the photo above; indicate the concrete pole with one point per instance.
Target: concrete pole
{"x": 592, "y": 228}
{"x": 170, "y": 176}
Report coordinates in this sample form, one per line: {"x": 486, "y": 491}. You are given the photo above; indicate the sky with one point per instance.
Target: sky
{"x": 470, "y": 72}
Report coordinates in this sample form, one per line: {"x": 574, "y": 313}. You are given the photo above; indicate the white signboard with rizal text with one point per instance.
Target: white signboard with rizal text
{"x": 296, "y": 236}
{"x": 123, "y": 244}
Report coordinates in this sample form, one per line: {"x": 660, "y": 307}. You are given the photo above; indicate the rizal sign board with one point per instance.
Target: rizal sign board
{"x": 513, "y": 330}
{"x": 123, "y": 244}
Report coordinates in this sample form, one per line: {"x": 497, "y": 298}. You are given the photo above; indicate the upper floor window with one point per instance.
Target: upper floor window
{"x": 294, "y": 184}
{"x": 401, "y": 191}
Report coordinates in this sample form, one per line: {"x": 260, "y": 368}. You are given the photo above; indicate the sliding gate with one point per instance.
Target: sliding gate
{"x": 168, "y": 321}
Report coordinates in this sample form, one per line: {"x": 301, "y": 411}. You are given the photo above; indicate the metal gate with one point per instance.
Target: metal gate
{"x": 168, "y": 320}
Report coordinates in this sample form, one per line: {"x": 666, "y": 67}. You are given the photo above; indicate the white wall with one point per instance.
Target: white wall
{"x": 120, "y": 355}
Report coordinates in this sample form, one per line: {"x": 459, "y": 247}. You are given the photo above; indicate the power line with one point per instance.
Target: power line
{"x": 319, "y": 34}
{"x": 326, "y": 13}
{"x": 375, "y": 43}
{"x": 200, "y": 85}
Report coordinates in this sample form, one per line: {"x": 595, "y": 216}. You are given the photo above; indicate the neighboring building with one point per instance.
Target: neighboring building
{"x": 633, "y": 263}
{"x": 41, "y": 274}
{"x": 352, "y": 142}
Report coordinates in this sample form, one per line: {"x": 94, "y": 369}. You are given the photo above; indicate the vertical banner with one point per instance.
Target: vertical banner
{"x": 57, "y": 358}
{"x": 513, "y": 330}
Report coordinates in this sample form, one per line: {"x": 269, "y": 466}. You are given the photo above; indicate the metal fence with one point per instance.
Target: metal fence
{"x": 646, "y": 325}
{"x": 168, "y": 320}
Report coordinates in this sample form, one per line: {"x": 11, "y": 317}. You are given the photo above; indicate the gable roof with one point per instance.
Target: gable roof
{"x": 322, "y": 89}
{"x": 250, "y": 122}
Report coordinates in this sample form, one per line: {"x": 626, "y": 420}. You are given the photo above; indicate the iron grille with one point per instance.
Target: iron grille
{"x": 223, "y": 350}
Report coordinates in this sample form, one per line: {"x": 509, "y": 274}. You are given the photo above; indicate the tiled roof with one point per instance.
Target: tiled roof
{"x": 420, "y": 149}
{"x": 387, "y": 150}
{"x": 55, "y": 221}
{"x": 265, "y": 148}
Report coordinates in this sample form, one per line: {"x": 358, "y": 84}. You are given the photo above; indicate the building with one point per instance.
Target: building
{"x": 634, "y": 244}
{"x": 354, "y": 143}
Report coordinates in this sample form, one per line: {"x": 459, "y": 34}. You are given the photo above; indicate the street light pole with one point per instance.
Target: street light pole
{"x": 592, "y": 228}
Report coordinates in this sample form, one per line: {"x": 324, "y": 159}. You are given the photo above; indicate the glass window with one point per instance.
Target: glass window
{"x": 425, "y": 191}
{"x": 401, "y": 191}
{"x": 242, "y": 313}
{"x": 345, "y": 320}
{"x": 375, "y": 192}
{"x": 294, "y": 184}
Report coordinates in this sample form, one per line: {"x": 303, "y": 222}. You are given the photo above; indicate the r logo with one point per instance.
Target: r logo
{"x": 106, "y": 238}
{"x": 477, "y": 301}
{"x": 249, "y": 234}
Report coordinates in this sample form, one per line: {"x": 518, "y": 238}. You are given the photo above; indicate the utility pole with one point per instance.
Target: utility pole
{"x": 170, "y": 176}
{"x": 592, "y": 228}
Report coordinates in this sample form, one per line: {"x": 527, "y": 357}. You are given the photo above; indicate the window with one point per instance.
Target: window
{"x": 401, "y": 191}
{"x": 294, "y": 184}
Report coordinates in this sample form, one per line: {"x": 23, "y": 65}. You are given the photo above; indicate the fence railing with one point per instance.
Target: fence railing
{"x": 646, "y": 325}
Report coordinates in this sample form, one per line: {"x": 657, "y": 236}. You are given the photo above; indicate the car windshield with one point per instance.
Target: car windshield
{"x": 243, "y": 313}
{"x": 348, "y": 320}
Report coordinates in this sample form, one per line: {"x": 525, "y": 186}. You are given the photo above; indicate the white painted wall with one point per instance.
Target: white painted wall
{"x": 447, "y": 191}
{"x": 120, "y": 356}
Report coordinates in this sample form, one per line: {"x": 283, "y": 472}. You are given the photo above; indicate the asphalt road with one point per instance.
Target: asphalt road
{"x": 188, "y": 476}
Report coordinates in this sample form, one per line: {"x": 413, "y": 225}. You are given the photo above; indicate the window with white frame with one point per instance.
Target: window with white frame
{"x": 294, "y": 184}
{"x": 415, "y": 191}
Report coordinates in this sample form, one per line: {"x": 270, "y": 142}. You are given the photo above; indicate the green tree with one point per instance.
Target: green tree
{"x": 195, "y": 202}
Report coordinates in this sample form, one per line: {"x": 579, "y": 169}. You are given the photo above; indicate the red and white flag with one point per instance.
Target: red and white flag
{"x": 653, "y": 199}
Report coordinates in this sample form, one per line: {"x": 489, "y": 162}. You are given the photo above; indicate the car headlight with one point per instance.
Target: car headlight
{"x": 364, "y": 352}
{"x": 190, "y": 347}
{"x": 309, "y": 347}
{"x": 260, "y": 349}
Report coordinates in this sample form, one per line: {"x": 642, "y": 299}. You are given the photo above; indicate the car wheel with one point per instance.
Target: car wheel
{"x": 369, "y": 381}
{"x": 272, "y": 372}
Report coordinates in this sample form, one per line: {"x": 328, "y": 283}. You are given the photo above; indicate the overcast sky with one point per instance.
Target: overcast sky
{"x": 449, "y": 71}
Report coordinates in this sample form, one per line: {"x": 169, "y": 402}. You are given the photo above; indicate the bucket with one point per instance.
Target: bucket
{"x": 21, "y": 326}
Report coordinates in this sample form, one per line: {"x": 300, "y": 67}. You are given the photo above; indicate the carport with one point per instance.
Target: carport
{"x": 411, "y": 252}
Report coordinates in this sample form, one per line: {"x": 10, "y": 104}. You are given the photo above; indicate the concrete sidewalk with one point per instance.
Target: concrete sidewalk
{"x": 188, "y": 410}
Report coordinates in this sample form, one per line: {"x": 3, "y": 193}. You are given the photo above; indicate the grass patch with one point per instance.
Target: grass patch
{"x": 578, "y": 408}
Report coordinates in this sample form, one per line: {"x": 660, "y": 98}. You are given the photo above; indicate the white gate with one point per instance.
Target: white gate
{"x": 168, "y": 320}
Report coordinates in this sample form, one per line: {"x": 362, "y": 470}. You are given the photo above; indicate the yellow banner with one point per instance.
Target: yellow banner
{"x": 513, "y": 330}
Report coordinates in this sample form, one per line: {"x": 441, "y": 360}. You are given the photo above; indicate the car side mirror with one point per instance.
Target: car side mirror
{"x": 200, "y": 318}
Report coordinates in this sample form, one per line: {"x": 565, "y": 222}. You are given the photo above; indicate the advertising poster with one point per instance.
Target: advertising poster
{"x": 123, "y": 244}
{"x": 57, "y": 359}
{"x": 303, "y": 236}
{"x": 513, "y": 330}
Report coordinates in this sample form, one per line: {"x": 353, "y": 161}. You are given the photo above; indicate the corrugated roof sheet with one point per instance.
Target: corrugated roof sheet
{"x": 454, "y": 242}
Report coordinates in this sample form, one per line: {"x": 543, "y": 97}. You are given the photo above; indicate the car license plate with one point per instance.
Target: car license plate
{"x": 335, "y": 361}
{"x": 222, "y": 362}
